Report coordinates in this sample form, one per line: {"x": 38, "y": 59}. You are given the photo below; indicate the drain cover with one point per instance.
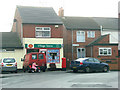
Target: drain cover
{"x": 90, "y": 85}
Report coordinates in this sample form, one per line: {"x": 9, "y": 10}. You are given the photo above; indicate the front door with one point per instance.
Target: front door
{"x": 80, "y": 52}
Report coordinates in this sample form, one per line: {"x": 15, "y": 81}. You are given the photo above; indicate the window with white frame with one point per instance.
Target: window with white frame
{"x": 105, "y": 51}
{"x": 90, "y": 34}
{"x": 80, "y": 36}
{"x": 43, "y": 31}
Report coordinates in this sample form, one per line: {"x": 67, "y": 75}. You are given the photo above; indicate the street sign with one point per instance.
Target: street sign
{"x": 75, "y": 45}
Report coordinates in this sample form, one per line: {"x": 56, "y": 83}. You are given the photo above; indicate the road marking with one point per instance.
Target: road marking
{"x": 90, "y": 85}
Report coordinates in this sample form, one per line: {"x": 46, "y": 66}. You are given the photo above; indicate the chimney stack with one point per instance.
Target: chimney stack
{"x": 61, "y": 12}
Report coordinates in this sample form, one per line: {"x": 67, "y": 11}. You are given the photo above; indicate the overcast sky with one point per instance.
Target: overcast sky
{"x": 82, "y": 8}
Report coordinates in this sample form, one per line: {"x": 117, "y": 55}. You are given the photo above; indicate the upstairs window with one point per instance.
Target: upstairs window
{"x": 105, "y": 51}
{"x": 90, "y": 34}
{"x": 43, "y": 31}
{"x": 80, "y": 36}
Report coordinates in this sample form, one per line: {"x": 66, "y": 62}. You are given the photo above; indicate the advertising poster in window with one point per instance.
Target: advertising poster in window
{"x": 53, "y": 56}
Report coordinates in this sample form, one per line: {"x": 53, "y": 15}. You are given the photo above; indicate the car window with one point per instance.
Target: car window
{"x": 34, "y": 56}
{"x": 40, "y": 56}
{"x": 9, "y": 60}
{"x": 87, "y": 60}
{"x": 96, "y": 60}
{"x": 91, "y": 60}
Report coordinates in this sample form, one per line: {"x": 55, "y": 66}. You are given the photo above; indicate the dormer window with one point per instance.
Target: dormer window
{"x": 43, "y": 31}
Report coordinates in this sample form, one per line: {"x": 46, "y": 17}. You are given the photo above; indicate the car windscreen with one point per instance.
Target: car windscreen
{"x": 9, "y": 60}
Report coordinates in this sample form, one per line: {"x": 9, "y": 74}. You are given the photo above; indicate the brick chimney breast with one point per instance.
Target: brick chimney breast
{"x": 61, "y": 12}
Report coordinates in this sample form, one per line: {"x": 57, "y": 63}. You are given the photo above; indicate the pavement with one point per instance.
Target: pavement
{"x": 9, "y": 74}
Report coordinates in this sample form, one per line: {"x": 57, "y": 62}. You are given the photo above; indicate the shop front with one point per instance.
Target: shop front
{"x": 52, "y": 51}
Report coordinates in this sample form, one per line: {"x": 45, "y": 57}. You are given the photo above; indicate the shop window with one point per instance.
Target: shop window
{"x": 53, "y": 55}
{"x": 90, "y": 34}
{"x": 32, "y": 50}
{"x": 40, "y": 56}
{"x": 43, "y": 31}
{"x": 34, "y": 56}
{"x": 105, "y": 51}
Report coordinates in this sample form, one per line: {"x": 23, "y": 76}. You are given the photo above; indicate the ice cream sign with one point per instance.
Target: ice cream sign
{"x": 42, "y": 45}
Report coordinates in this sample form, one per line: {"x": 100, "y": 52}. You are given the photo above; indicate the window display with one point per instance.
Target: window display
{"x": 53, "y": 56}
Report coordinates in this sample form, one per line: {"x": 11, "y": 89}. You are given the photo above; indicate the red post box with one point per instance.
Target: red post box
{"x": 64, "y": 64}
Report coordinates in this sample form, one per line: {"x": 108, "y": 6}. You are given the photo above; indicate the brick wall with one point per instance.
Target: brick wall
{"x": 68, "y": 45}
{"x": 113, "y": 58}
{"x": 68, "y": 42}
{"x": 88, "y": 52}
{"x": 119, "y": 63}
{"x": 104, "y": 40}
{"x": 87, "y": 40}
{"x": 29, "y": 30}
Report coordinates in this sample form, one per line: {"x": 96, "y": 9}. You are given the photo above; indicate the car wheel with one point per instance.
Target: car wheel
{"x": 43, "y": 70}
{"x": 105, "y": 69}
{"x": 29, "y": 70}
{"x": 75, "y": 71}
{"x": 16, "y": 71}
{"x": 2, "y": 72}
{"x": 24, "y": 69}
{"x": 32, "y": 71}
{"x": 87, "y": 69}
{"x": 39, "y": 70}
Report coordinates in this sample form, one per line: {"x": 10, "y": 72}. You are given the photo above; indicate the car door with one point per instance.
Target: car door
{"x": 98, "y": 65}
{"x": 91, "y": 64}
{"x": 41, "y": 61}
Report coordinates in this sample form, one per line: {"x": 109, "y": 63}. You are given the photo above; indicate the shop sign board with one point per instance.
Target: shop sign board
{"x": 44, "y": 45}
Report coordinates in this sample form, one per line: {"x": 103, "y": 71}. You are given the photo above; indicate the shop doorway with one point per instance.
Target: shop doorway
{"x": 44, "y": 51}
{"x": 80, "y": 52}
{"x": 53, "y": 55}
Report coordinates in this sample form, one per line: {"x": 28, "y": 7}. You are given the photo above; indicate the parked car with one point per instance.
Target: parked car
{"x": 88, "y": 65}
{"x": 38, "y": 58}
{"x": 8, "y": 65}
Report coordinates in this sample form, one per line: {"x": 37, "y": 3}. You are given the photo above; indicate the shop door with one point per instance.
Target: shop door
{"x": 80, "y": 52}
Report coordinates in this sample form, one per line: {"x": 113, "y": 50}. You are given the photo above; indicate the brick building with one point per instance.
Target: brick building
{"x": 84, "y": 37}
{"x": 39, "y": 30}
